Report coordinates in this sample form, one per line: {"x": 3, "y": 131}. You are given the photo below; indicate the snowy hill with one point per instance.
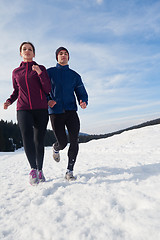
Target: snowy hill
{"x": 116, "y": 195}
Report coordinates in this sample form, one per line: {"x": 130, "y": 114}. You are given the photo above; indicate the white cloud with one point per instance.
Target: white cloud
{"x": 99, "y": 1}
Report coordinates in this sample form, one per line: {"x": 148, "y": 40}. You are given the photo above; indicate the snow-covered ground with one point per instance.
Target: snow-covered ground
{"x": 116, "y": 195}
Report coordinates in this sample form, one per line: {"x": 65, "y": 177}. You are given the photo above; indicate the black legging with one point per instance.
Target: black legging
{"x": 33, "y": 125}
{"x": 69, "y": 119}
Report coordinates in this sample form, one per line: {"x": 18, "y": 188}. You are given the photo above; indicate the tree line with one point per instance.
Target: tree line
{"x": 11, "y": 140}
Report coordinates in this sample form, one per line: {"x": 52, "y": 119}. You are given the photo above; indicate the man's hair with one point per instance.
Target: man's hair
{"x": 60, "y": 49}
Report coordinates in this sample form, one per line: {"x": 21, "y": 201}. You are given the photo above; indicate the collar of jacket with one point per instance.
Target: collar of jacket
{"x": 29, "y": 63}
{"x": 62, "y": 67}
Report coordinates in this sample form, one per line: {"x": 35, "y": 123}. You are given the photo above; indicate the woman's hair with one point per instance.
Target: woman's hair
{"x": 27, "y": 43}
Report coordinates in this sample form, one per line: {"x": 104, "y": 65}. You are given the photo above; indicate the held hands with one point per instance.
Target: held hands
{"x": 51, "y": 103}
{"x": 6, "y": 104}
{"x": 37, "y": 69}
{"x": 83, "y": 105}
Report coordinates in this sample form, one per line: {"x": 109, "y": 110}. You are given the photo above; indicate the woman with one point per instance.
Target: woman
{"x": 31, "y": 85}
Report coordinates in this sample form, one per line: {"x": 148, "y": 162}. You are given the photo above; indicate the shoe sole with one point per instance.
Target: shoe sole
{"x": 70, "y": 179}
{"x": 56, "y": 159}
{"x": 41, "y": 180}
{"x": 34, "y": 184}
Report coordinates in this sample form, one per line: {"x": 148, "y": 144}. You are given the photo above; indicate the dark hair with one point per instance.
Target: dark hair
{"x": 27, "y": 43}
{"x": 60, "y": 49}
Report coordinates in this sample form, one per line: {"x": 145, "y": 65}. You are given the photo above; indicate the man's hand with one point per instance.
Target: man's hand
{"x": 51, "y": 103}
{"x": 83, "y": 105}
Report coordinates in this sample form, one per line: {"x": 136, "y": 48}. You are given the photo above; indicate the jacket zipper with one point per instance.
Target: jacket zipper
{"x": 28, "y": 86}
{"x": 41, "y": 94}
{"x": 61, "y": 72}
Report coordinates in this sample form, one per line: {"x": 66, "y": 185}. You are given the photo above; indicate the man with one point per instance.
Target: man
{"x": 66, "y": 83}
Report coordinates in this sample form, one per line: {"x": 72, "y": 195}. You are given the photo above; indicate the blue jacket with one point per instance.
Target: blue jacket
{"x": 66, "y": 83}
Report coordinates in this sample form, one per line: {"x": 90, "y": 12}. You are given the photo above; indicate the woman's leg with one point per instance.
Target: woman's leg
{"x": 25, "y": 122}
{"x": 40, "y": 124}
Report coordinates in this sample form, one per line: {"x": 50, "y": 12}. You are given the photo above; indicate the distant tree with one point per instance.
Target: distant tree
{"x": 10, "y": 136}
{"x": 2, "y": 140}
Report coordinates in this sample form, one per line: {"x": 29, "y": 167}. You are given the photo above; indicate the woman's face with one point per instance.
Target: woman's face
{"x": 27, "y": 53}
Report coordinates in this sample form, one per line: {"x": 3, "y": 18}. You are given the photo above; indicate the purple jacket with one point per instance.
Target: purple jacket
{"x": 29, "y": 87}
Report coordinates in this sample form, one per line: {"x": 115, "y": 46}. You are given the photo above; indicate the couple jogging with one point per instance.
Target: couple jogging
{"x": 38, "y": 92}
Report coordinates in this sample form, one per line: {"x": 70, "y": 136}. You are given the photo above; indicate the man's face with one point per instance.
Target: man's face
{"x": 63, "y": 57}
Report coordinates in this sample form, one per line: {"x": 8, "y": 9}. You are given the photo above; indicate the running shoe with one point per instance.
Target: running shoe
{"x": 69, "y": 176}
{"x": 56, "y": 155}
{"x": 41, "y": 176}
{"x": 33, "y": 177}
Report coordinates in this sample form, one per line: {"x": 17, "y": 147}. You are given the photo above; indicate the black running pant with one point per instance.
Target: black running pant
{"x": 70, "y": 120}
{"x": 33, "y": 124}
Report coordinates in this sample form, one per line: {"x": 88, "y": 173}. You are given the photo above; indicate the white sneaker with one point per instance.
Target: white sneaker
{"x": 69, "y": 176}
{"x": 56, "y": 155}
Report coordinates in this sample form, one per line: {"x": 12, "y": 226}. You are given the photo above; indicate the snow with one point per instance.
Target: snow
{"x": 116, "y": 195}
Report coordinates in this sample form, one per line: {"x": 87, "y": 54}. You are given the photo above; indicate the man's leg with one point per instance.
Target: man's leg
{"x": 58, "y": 126}
{"x": 73, "y": 126}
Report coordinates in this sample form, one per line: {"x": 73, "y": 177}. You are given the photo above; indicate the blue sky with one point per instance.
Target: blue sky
{"x": 114, "y": 45}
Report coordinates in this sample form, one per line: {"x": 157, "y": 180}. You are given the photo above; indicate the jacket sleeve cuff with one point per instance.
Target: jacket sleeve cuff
{"x": 49, "y": 97}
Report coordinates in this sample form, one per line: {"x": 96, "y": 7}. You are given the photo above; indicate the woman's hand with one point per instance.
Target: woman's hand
{"x": 6, "y": 104}
{"x": 51, "y": 103}
{"x": 37, "y": 69}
